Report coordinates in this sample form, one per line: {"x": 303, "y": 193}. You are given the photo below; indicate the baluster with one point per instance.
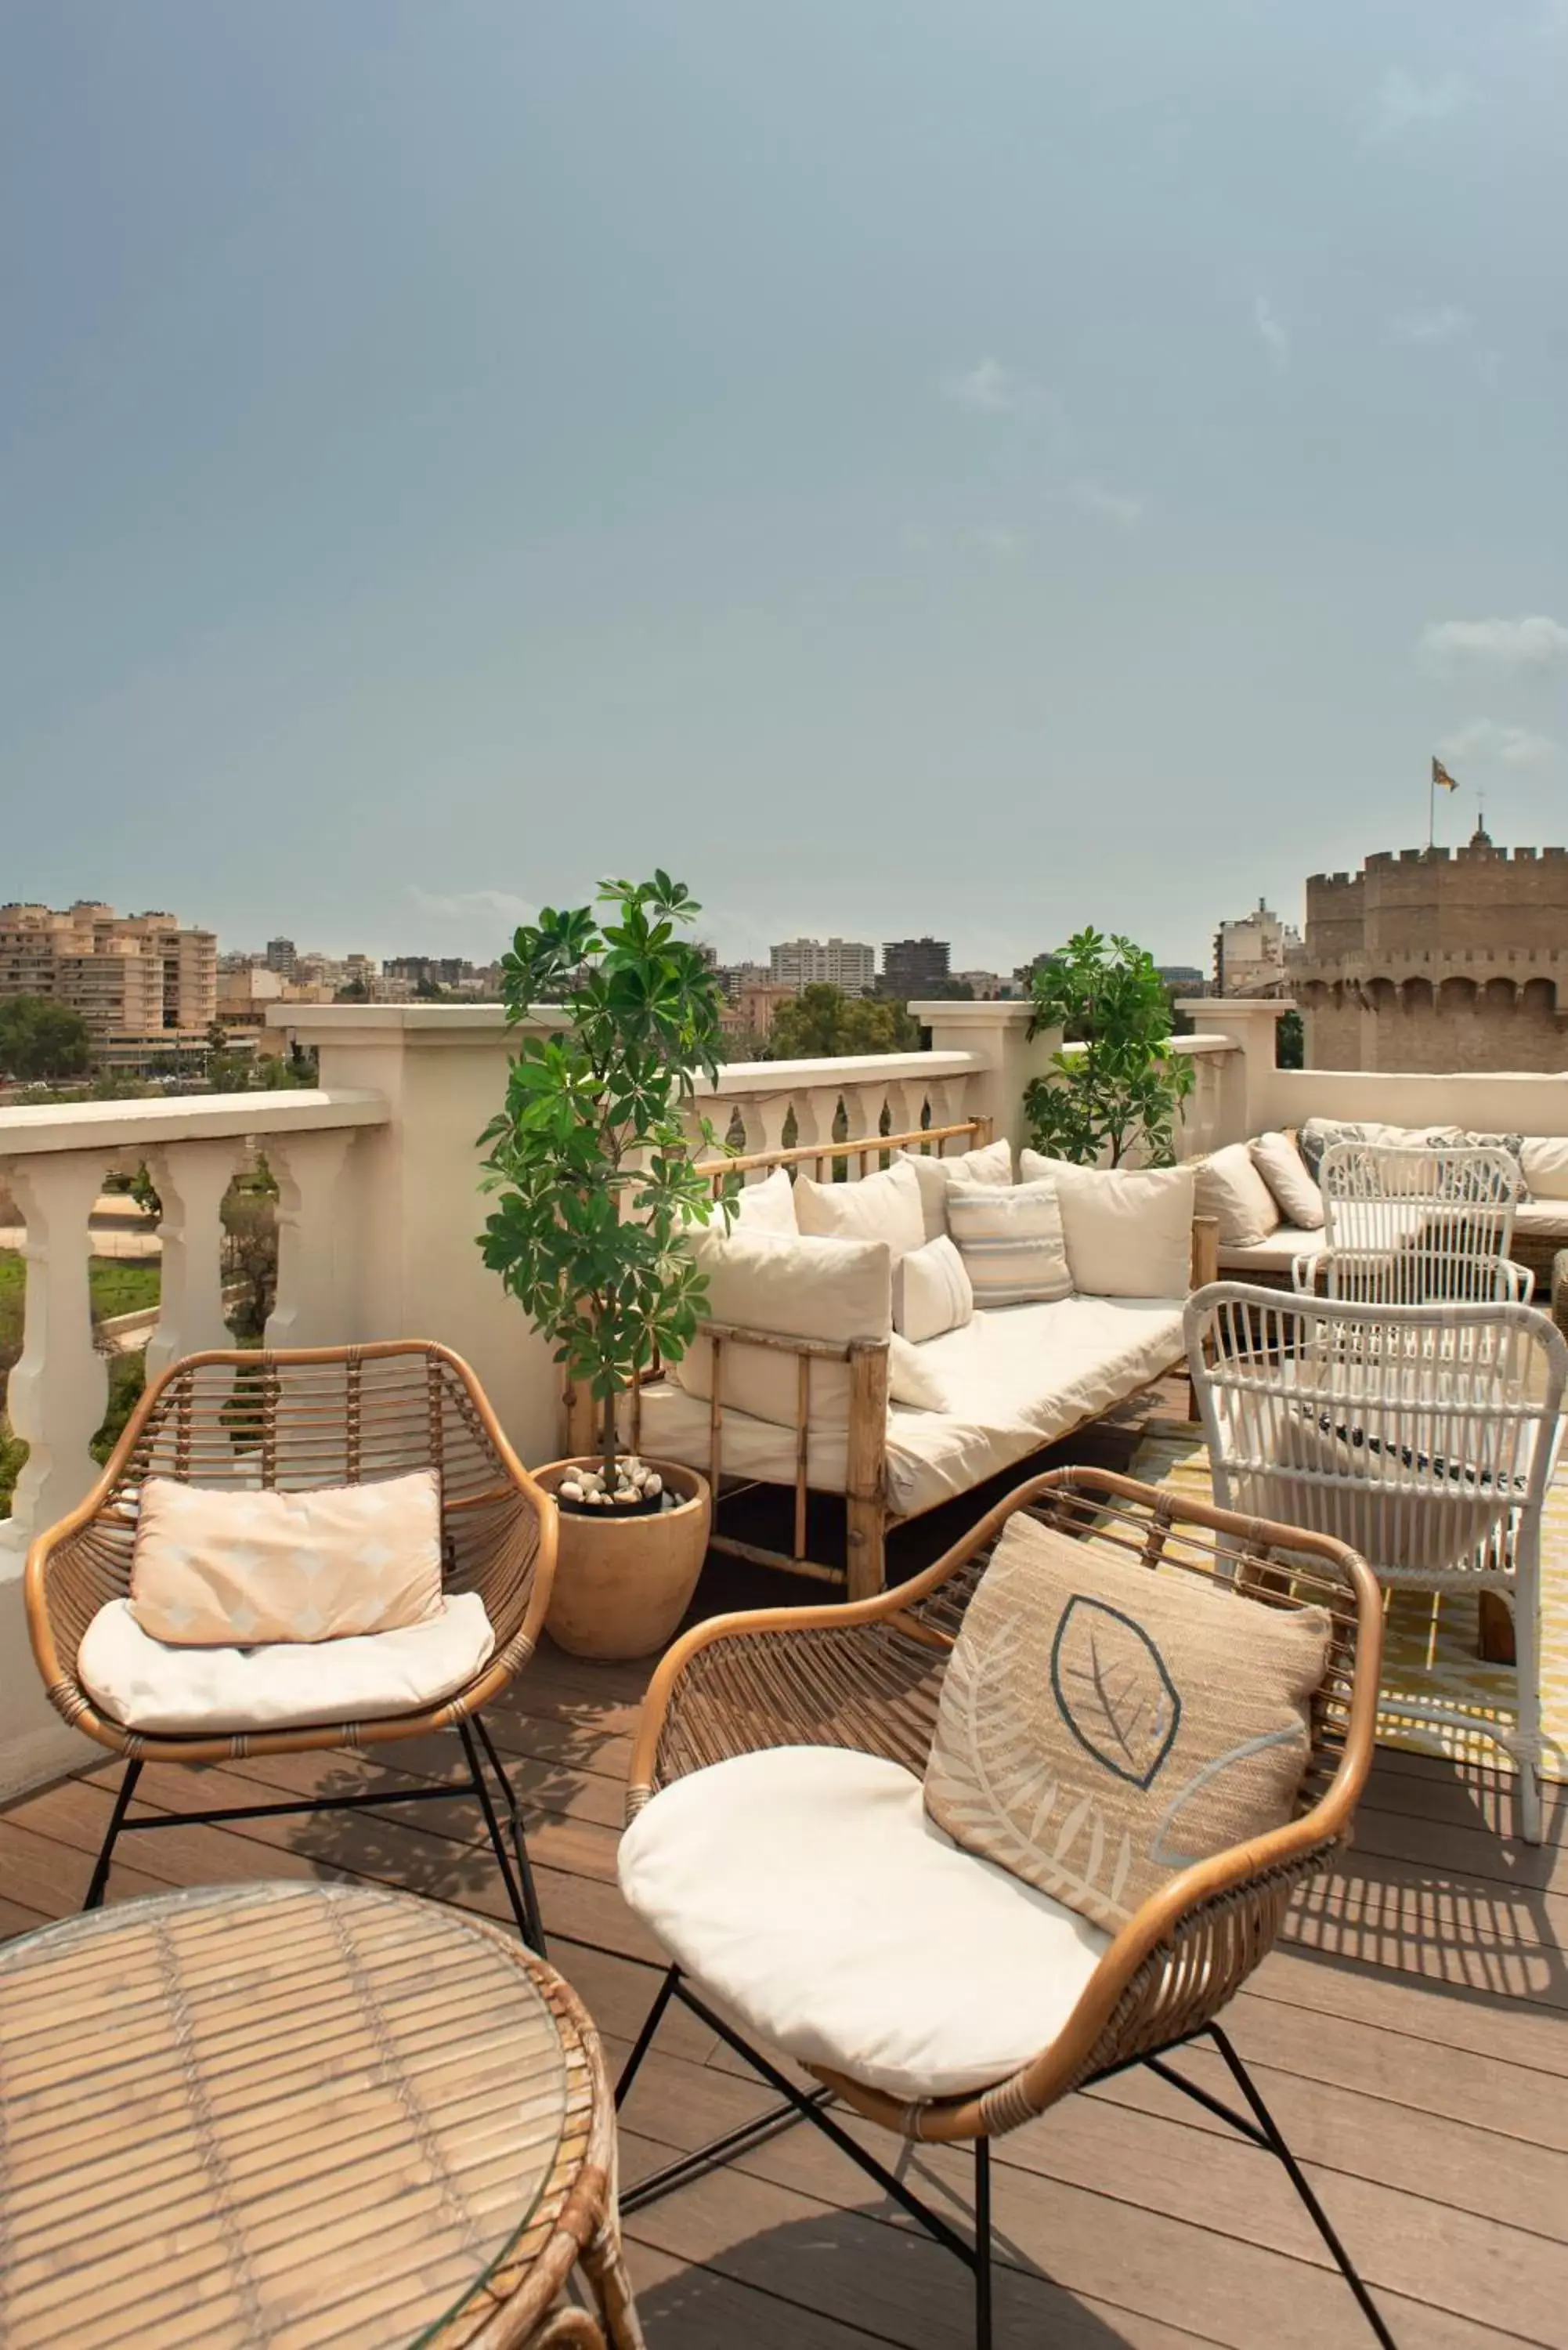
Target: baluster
{"x": 59, "y": 1385}
{"x": 947, "y": 1104}
{"x": 313, "y": 1242}
{"x": 772, "y": 1117}
{"x": 190, "y": 1178}
{"x": 906, "y": 1100}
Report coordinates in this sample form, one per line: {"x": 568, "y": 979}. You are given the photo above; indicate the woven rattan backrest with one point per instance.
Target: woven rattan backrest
{"x": 1416, "y": 1221}
{"x": 1421, "y": 1435}
{"x": 339, "y": 1417}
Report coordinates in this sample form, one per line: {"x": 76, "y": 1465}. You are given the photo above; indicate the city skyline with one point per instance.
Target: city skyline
{"x": 450, "y": 455}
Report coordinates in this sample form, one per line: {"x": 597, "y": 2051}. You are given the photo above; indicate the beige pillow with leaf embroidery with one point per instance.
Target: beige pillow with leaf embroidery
{"x": 1104, "y": 1725}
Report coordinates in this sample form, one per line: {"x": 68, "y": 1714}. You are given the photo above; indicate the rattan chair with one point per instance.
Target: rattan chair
{"x": 319, "y": 1415}
{"x": 1425, "y": 1435}
{"x": 867, "y": 1678}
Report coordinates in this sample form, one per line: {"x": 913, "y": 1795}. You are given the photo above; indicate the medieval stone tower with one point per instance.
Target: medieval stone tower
{"x": 1437, "y": 960}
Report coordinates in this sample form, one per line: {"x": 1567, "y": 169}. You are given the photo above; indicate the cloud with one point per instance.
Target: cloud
{"x": 486, "y": 915}
{"x": 996, "y": 539}
{"x": 1510, "y": 646}
{"x": 1276, "y": 342}
{"x": 994, "y": 389}
{"x": 1402, "y": 103}
{"x": 1446, "y": 324}
{"x": 1509, "y": 746}
{"x": 1117, "y": 506}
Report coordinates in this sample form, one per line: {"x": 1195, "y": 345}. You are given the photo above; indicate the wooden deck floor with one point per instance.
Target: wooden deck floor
{"x": 1411, "y": 2036}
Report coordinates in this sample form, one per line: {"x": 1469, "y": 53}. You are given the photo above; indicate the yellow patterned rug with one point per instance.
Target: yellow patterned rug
{"x": 1429, "y": 1643}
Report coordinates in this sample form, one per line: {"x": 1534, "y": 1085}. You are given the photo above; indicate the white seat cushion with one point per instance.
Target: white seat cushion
{"x": 148, "y": 1685}
{"x": 1278, "y": 1253}
{"x": 808, "y": 1896}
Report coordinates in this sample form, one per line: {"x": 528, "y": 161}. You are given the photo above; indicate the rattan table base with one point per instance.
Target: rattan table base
{"x": 298, "y": 2116}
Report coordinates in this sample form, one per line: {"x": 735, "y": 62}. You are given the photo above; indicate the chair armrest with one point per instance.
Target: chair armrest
{"x": 863, "y": 1674}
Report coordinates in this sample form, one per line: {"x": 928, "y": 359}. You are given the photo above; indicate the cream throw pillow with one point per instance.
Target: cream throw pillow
{"x": 1544, "y": 1159}
{"x": 802, "y": 1287}
{"x": 912, "y": 1380}
{"x": 1283, "y": 1169}
{"x": 932, "y": 1293}
{"x": 1011, "y": 1243}
{"x": 1104, "y": 1725}
{"x": 221, "y": 1570}
{"x": 1231, "y": 1190}
{"x": 768, "y": 1206}
{"x": 1128, "y": 1230}
{"x": 993, "y": 1164}
{"x": 883, "y": 1207}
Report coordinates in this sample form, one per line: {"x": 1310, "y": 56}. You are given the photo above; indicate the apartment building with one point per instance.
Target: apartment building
{"x": 847, "y": 963}
{"x": 144, "y": 984}
{"x": 913, "y": 968}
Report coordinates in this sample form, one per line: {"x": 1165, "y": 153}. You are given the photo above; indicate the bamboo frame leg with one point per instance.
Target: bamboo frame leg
{"x": 95, "y": 1891}
{"x": 534, "y": 1935}
{"x": 604, "y": 2264}
{"x": 570, "y": 2329}
{"x": 866, "y": 1505}
{"x": 527, "y": 1926}
{"x": 1319, "y": 2216}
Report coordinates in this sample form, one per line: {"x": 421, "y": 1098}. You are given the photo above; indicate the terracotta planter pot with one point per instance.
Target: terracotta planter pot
{"x": 623, "y": 1583}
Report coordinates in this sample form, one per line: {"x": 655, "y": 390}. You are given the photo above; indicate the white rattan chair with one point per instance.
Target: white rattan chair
{"x": 1423, "y": 1436}
{"x": 1413, "y": 1226}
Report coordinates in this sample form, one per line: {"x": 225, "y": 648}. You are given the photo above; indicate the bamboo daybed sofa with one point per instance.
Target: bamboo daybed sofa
{"x": 801, "y": 1379}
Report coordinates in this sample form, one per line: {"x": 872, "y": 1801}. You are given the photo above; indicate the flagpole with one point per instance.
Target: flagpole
{"x": 1432, "y": 811}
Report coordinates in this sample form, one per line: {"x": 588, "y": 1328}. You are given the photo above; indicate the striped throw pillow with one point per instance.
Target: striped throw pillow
{"x": 1011, "y": 1243}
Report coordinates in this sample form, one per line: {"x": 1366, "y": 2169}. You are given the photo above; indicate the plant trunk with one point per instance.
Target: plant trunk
{"x": 607, "y": 1442}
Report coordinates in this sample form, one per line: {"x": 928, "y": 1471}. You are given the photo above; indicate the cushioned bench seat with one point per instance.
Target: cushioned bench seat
{"x": 1027, "y": 1375}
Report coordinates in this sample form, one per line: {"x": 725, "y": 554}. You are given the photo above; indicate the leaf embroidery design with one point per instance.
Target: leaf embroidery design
{"x": 1161, "y": 1851}
{"x": 1112, "y": 1689}
{"x": 998, "y": 1800}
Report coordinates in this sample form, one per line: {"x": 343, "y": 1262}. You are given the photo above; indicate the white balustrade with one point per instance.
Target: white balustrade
{"x": 53, "y": 1161}
{"x": 817, "y": 1104}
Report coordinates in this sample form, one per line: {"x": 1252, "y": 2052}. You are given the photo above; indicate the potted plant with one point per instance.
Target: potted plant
{"x": 596, "y": 1190}
{"x": 1116, "y": 1087}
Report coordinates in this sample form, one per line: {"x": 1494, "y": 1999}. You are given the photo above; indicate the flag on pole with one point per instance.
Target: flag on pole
{"x": 1440, "y": 776}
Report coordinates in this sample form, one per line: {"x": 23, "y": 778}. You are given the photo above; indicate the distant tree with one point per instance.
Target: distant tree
{"x": 40, "y": 1039}
{"x": 428, "y": 989}
{"x": 356, "y": 991}
{"x": 954, "y": 991}
{"x": 1289, "y": 1042}
{"x": 824, "y": 1024}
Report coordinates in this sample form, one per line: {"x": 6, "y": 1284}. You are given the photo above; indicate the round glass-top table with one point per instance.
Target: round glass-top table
{"x": 297, "y": 2116}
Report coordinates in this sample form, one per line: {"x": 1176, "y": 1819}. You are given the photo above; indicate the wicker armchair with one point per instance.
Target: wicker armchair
{"x": 320, "y": 1416}
{"x": 868, "y": 1678}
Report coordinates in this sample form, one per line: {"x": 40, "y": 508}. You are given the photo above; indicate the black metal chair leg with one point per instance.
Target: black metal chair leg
{"x": 644, "y": 2041}
{"x": 535, "y": 1936}
{"x": 528, "y": 1926}
{"x": 982, "y": 2244}
{"x": 1298, "y": 2179}
{"x": 116, "y": 1821}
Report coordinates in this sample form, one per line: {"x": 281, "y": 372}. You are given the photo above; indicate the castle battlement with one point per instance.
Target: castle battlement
{"x": 1438, "y": 959}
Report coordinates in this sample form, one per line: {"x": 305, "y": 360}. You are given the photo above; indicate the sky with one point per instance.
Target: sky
{"x": 970, "y": 466}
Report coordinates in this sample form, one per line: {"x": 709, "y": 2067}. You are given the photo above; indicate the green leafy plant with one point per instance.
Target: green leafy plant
{"x": 590, "y": 1157}
{"x": 1120, "y": 1088}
